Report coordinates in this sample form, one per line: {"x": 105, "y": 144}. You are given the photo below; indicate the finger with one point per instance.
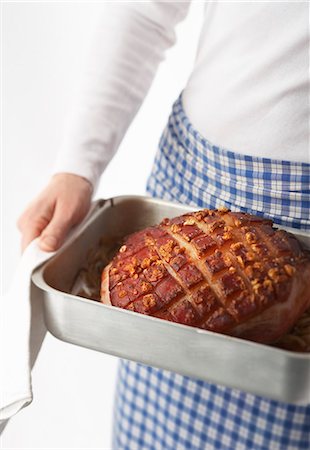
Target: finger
{"x": 34, "y": 227}
{"x": 24, "y": 217}
{"x": 28, "y": 237}
{"x": 54, "y": 234}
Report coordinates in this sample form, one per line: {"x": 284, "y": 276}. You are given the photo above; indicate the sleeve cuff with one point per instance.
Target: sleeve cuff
{"x": 76, "y": 168}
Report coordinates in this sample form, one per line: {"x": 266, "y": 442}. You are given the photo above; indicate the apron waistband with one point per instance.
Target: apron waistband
{"x": 207, "y": 175}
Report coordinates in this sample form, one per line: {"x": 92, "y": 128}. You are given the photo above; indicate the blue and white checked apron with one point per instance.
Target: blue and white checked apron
{"x": 161, "y": 410}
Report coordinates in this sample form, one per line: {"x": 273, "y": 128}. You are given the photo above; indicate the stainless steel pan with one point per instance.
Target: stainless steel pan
{"x": 255, "y": 368}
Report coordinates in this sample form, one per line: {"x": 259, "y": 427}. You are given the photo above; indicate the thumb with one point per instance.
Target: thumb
{"x": 55, "y": 233}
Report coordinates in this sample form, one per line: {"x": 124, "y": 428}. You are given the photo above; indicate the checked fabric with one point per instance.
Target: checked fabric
{"x": 160, "y": 410}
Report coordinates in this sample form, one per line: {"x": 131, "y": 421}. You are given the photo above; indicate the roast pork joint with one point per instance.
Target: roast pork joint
{"x": 227, "y": 272}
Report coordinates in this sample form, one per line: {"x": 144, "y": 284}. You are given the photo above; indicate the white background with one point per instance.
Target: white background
{"x": 42, "y": 51}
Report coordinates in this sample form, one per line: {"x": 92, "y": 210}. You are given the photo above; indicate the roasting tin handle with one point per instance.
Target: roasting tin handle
{"x": 96, "y": 206}
{"x": 94, "y": 209}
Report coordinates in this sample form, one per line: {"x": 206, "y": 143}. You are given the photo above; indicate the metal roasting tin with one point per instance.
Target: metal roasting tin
{"x": 256, "y": 368}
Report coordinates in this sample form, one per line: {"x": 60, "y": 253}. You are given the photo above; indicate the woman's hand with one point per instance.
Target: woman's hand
{"x": 61, "y": 205}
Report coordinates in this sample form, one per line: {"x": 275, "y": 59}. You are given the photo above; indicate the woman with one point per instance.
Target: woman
{"x": 238, "y": 136}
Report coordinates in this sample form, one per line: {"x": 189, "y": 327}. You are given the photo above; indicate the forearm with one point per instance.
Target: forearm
{"x": 129, "y": 43}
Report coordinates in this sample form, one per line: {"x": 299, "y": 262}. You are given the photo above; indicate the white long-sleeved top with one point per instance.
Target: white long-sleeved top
{"x": 248, "y": 90}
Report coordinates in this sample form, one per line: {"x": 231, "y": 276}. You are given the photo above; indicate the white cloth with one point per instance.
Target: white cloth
{"x": 21, "y": 315}
{"x": 22, "y": 328}
{"x": 248, "y": 90}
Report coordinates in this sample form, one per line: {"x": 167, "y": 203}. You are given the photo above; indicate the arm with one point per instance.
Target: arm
{"x": 129, "y": 44}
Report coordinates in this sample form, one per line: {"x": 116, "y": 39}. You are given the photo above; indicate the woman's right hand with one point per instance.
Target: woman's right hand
{"x": 61, "y": 205}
